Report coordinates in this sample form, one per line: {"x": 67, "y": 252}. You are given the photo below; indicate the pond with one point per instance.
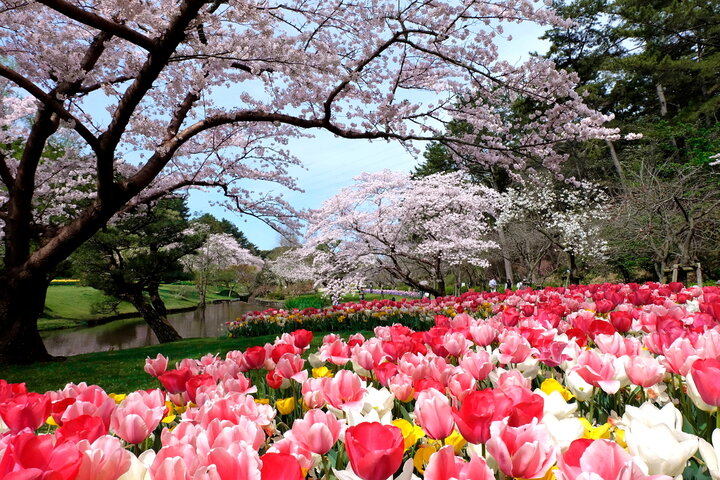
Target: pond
{"x": 134, "y": 332}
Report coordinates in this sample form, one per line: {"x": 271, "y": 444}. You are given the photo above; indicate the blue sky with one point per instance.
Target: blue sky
{"x": 331, "y": 163}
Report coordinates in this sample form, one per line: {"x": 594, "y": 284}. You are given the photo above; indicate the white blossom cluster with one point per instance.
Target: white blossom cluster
{"x": 571, "y": 215}
{"x": 387, "y": 223}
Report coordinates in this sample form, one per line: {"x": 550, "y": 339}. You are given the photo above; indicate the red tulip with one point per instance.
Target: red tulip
{"x": 280, "y": 465}
{"x": 254, "y": 357}
{"x": 705, "y": 375}
{"x": 280, "y": 350}
{"x": 375, "y": 450}
{"x": 27, "y": 410}
{"x": 302, "y": 338}
{"x": 478, "y": 411}
{"x": 174, "y": 380}
{"x": 30, "y": 456}
{"x": 621, "y": 320}
{"x": 84, "y": 427}
{"x": 197, "y": 381}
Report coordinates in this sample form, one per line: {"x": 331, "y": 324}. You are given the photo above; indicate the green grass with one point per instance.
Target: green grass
{"x": 121, "y": 371}
{"x": 69, "y": 306}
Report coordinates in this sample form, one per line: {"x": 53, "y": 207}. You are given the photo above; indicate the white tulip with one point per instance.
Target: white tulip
{"x": 578, "y": 387}
{"x": 711, "y": 454}
{"x": 664, "y": 450}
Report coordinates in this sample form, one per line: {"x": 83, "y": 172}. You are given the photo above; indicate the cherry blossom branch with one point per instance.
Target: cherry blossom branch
{"x": 54, "y": 105}
{"x": 103, "y": 24}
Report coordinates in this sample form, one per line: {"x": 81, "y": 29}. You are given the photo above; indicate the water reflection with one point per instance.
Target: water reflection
{"x": 134, "y": 332}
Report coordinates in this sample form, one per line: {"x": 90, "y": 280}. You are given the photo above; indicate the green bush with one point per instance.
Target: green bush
{"x": 307, "y": 301}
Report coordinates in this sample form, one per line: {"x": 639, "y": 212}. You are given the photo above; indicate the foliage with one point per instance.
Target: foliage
{"x": 306, "y": 301}
{"x": 130, "y": 259}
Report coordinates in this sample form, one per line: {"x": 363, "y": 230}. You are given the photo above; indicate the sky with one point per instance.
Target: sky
{"x": 330, "y": 163}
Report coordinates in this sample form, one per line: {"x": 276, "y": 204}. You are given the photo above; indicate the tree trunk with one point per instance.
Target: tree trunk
{"x": 157, "y": 321}
{"x": 506, "y": 255}
{"x": 20, "y": 308}
{"x": 574, "y": 278}
{"x": 618, "y": 166}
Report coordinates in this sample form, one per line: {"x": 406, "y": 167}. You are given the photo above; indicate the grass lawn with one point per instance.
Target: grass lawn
{"x": 122, "y": 371}
{"x": 69, "y": 306}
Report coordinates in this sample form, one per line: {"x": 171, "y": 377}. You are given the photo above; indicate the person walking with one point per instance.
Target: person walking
{"x": 493, "y": 285}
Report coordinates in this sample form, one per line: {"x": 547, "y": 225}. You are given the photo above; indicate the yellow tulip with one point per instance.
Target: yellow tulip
{"x": 321, "y": 372}
{"x": 411, "y": 433}
{"x": 51, "y": 421}
{"x": 422, "y": 457}
{"x": 550, "y": 385}
{"x": 620, "y": 437}
{"x": 264, "y": 401}
{"x": 456, "y": 440}
{"x": 285, "y": 405}
{"x": 594, "y": 433}
{"x": 118, "y": 397}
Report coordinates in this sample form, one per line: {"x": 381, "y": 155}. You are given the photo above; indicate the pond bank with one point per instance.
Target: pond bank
{"x": 134, "y": 332}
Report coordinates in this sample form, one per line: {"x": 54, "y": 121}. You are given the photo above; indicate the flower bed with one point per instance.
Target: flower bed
{"x": 363, "y": 315}
{"x": 596, "y": 382}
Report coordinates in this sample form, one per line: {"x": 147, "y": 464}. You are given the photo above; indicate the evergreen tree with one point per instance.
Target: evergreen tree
{"x": 130, "y": 259}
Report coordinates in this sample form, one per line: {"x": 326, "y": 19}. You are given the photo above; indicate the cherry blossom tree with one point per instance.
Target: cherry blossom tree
{"x": 166, "y": 95}
{"x": 220, "y": 252}
{"x": 413, "y": 230}
{"x": 570, "y": 215}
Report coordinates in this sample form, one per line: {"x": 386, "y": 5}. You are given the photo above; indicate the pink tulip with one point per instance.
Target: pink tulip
{"x": 679, "y": 356}
{"x": 232, "y": 406}
{"x": 238, "y": 461}
{"x": 456, "y": 344}
{"x": 705, "y": 374}
{"x": 444, "y": 465}
{"x": 644, "y": 370}
{"x": 156, "y": 366}
{"x": 103, "y": 459}
{"x": 312, "y": 392}
{"x": 138, "y": 415}
{"x": 375, "y": 450}
{"x": 477, "y": 364}
{"x": 617, "y": 345}
{"x": 460, "y": 384}
{"x": 336, "y": 352}
{"x": 526, "y": 451}
{"x": 483, "y": 334}
{"x": 514, "y": 348}
{"x": 317, "y": 431}
{"x": 28, "y": 456}
{"x": 597, "y": 370}
{"x": 344, "y": 390}
{"x": 291, "y": 366}
{"x": 175, "y": 462}
{"x": 402, "y": 387}
{"x": 600, "y": 460}
{"x": 434, "y": 414}
{"x": 91, "y": 401}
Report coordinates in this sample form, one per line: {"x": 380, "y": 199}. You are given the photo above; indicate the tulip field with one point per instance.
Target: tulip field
{"x": 594, "y": 382}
